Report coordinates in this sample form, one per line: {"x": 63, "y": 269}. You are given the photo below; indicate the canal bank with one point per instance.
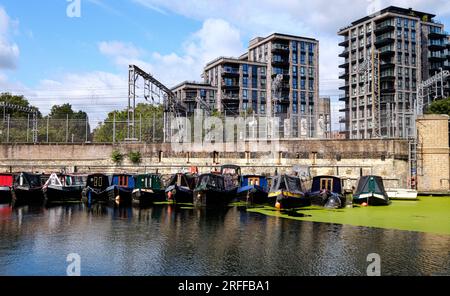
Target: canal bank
{"x": 427, "y": 214}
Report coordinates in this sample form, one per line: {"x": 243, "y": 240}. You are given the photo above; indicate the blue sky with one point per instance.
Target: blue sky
{"x": 53, "y": 59}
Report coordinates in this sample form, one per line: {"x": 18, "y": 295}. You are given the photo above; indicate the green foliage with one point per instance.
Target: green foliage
{"x": 149, "y": 113}
{"x": 58, "y": 124}
{"x": 116, "y": 156}
{"x": 135, "y": 157}
{"x": 440, "y": 107}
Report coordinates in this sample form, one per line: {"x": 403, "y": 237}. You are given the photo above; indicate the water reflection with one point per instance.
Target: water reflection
{"x": 180, "y": 240}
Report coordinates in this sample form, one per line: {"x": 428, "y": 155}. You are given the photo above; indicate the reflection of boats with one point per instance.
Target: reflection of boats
{"x": 371, "y": 191}
{"x": 401, "y": 193}
{"x": 6, "y": 183}
{"x": 327, "y": 191}
{"x": 95, "y": 190}
{"x": 148, "y": 188}
{"x": 63, "y": 188}
{"x": 212, "y": 191}
{"x": 253, "y": 189}
{"x": 121, "y": 189}
{"x": 27, "y": 188}
{"x": 181, "y": 188}
{"x": 287, "y": 192}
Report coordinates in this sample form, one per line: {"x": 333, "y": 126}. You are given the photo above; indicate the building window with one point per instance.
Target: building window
{"x": 302, "y": 58}
{"x": 245, "y": 69}
{"x": 294, "y": 57}
{"x": 302, "y": 46}
{"x": 294, "y": 70}
{"x": 294, "y": 108}
{"x": 311, "y": 59}
{"x": 254, "y": 82}
{"x": 263, "y": 108}
{"x": 302, "y": 71}
{"x": 245, "y": 81}
{"x": 295, "y": 97}
{"x": 311, "y": 84}
{"x": 302, "y": 108}
{"x": 303, "y": 84}
{"x": 303, "y": 97}
{"x": 245, "y": 94}
{"x": 311, "y": 71}
{"x": 294, "y": 83}
{"x": 294, "y": 45}
{"x": 311, "y": 47}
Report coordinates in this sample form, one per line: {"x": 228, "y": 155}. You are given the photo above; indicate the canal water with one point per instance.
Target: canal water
{"x": 171, "y": 240}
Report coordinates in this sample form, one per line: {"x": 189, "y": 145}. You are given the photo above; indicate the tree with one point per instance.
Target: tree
{"x": 150, "y": 115}
{"x": 19, "y": 127}
{"x": 440, "y": 107}
{"x": 76, "y": 130}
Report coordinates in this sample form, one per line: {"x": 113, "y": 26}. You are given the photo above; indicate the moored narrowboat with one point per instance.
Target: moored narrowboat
{"x": 6, "y": 183}
{"x": 27, "y": 189}
{"x": 121, "y": 189}
{"x": 327, "y": 191}
{"x": 96, "y": 189}
{"x": 63, "y": 188}
{"x": 181, "y": 187}
{"x": 287, "y": 192}
{"x": 148, "y": 189}
{"x": 253, "y": 189}
{"x": 211, "y": 191}
{"x": 232, "y": 176}
{"x": 371, "y": 191}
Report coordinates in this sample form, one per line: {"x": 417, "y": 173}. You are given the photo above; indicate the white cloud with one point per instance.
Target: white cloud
{"x": 216, "y": 37}
{"x": 9, "y": 51}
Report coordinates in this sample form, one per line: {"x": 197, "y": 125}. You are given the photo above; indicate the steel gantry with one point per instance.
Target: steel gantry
{"x": 30, "y": 110}
{"x": 152, "y": 87}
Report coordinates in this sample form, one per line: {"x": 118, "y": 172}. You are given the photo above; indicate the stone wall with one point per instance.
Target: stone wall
{"x": 433, "y": 164}
{"x": 346, "y": 158}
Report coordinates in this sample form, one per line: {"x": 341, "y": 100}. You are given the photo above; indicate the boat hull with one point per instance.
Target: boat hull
{"x": 213, "y": 198}
{"x": 90, "y": 196}
{"x": 289, "y": 200}
{"x": 372, "y": 199}
{"x": 27, "y": 196}
{"x": 119, "y": 195}
{"x": 62, "y": 194}
{"x": 180, "y": 194}
{"x": 147, "y": 196}
{"x": 5, "y": 195}
{"x": 253, "y": 195}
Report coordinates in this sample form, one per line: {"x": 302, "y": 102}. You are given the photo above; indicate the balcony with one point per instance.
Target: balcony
{"x": 277, "y": 47}
{"x": 436, "y": 57}
{"x": 280, "y": 62}
{"x": 345, "y": 42}
{"x": 343, "y": 97}
{"x": 437, "y": 46}
{"x": 383, "y": 28}
{"x": 381, "y": 41}
{"x": 344, "y": 54}
{"x": 437, "y": 35}
{"x": 385, "y": 53}
{"x": 232, "y": 85}
{"x": 343, "y": 74}
{"x": 344, "y": 86}
{"x": 227, "y": 71}
{"x": 387, "y": 65}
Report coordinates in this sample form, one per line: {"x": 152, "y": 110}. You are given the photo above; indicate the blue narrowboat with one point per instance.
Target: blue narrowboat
{"x": 254, "y": 189}
{"x": 121, "y": 189}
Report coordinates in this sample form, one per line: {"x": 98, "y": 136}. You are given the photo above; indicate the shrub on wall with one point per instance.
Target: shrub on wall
{"x": 135, "y": 157}
{"x": 116, "y": 157}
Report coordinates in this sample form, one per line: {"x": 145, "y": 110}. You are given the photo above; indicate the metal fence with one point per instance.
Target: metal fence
{"x": 146, "y": 130}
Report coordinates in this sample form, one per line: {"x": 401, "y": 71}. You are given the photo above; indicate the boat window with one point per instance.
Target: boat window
{"x": 95, "y": 181}
{"x": 253, "y": 181}
{"x": 184, "y": 182}
{"x": 123, "y": 181}
{"x": 326, "y": 184}
{"x": 21, "y": 180}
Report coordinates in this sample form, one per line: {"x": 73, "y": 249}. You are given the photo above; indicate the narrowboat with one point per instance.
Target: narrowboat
{"x": 232, "y": 175}
{"x": 148, "y": 189}
{"x": 121, "y": 189}
{"x": 327, "y": 191}
{"x": 96, "y": 189}
{"x": 27, "y": 188}
{"x": 181, "y": 188}
{"x": 6, "y": 183}
{"x": 211, "y": 191}
{"x": 253, "y": 189}
{"x": 371, "y": 191}
{"x": 63, "y": 188}
{"x": 287, "y": 192}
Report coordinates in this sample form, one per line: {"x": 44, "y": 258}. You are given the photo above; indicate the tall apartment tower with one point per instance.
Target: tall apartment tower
{"x": 244, "y": 84}
{"x": 387, "y": 54}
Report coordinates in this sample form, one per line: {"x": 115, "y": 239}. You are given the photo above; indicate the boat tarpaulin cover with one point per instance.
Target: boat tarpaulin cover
{"x": 286, "y": 182}
{"x": 370, "y": 184}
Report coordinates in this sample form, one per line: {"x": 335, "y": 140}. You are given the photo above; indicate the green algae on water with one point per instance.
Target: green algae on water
{"x": 428, "y": 214}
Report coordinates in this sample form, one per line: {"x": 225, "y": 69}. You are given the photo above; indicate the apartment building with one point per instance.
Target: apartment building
{"x": 246, "y": 84}
{"x": 386, "y": 55}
